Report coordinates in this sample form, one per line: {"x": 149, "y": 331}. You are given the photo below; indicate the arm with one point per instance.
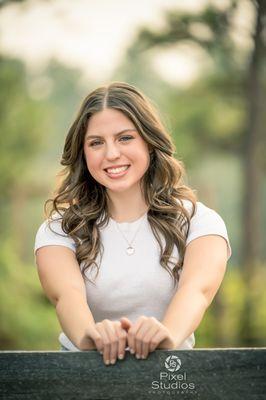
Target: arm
{"x": 64, "y": 286}
{"x": 203, "y": 270}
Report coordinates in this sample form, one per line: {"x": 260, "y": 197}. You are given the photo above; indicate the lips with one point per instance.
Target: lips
{"x": 116, "y": 166}
{"x": 118, "y": 174}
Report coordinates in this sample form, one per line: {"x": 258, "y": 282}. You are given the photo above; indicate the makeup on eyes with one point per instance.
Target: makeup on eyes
{"x": 92, "y": 143}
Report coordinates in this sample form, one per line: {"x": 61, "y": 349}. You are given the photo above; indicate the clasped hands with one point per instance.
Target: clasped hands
{"x": 112, "y": 337}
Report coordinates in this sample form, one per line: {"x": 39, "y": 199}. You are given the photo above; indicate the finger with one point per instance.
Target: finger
{"x": 122, "y": 339}
{"x": 131, "y": 341}
{"x": 147, "y": 341}
{"x": 113, "y": 340}
{"x": 131, "y": 335}
{"x": 142, "y": 331}
{"x": 157, "y": 338}
{"x": 106, "y": 343}
{"x": 97, "y": 339}
{"x": 125, "y": 323}
{"x": 145, "y": 332}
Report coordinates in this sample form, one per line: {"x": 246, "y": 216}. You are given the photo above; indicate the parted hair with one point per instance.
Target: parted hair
{"x": 80, "y": 202}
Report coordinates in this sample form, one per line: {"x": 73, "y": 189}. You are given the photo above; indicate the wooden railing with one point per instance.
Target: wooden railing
{"x": 216, "y": 374}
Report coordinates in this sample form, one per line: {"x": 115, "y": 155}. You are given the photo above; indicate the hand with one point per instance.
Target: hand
{"x": 110, "y": 339}
{"x": 146, "y": 335}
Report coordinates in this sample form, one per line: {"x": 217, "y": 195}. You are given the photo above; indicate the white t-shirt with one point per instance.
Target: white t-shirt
{"x": 132, "y": 285}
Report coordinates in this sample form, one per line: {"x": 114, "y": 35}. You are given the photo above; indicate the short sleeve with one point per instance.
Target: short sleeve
{"x": 206, "y": 221}
{"x": 46, "y": 237}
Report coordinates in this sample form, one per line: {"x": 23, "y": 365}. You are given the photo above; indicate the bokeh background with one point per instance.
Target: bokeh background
{"x": 204, "y": 64}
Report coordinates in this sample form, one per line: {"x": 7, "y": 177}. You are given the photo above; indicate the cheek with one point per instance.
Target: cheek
{"x": 144, "y": 157}
{"x": 139, "y": 152}
{"x": 92, "y": 160}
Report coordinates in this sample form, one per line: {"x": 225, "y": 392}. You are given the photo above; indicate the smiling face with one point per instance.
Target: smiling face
{"x": 112, "y": 140}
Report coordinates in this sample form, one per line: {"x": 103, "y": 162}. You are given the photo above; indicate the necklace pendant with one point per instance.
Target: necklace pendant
{"x": 130, "y": 250}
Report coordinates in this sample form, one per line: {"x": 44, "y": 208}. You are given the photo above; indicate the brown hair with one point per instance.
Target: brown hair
{"x": 80, "y": 200}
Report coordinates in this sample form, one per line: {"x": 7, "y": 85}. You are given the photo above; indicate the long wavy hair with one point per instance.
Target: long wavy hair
{"x": 80, "y": 202}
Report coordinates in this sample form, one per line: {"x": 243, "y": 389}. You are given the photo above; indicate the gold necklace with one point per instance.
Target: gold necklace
{"x": 130, "y": 250}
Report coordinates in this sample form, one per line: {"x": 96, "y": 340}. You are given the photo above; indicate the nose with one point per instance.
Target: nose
{"x": 112, "y": 151}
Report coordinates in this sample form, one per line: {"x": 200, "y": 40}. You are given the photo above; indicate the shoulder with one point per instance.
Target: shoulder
{"x": 206, "y": 221}
{"x": 200, "y": 209}
{"x": 50, "y": 232}
{"x": 52, "y": 224}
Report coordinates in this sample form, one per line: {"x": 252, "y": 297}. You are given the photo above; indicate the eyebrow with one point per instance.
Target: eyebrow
{"x": 116, "y": 134}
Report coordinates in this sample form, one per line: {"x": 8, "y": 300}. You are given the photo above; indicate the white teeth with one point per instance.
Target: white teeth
{"x": 117, "y": 170}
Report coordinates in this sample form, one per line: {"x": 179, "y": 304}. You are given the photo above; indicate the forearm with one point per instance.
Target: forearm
{"x": 75, "y": 317}
{"x": 185, "y": 313}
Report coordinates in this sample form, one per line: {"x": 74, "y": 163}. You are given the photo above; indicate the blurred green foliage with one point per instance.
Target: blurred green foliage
{"x": 19, "y": 134}
{"x": 36, "y": 112}
{"x": 221, "y": 326}
{"x": 27, "y": 319}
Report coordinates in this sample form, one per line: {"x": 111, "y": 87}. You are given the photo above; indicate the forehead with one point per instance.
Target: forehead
{"x": 108, "y": 120}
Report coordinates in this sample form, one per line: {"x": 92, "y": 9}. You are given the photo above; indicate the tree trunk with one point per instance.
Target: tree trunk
{"x": 252, "y": 171}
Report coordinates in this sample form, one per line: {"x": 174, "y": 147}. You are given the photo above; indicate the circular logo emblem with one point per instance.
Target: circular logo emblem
{"x": 172, "y": 363}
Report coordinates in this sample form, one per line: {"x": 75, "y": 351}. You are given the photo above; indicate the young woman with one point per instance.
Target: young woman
{"x": 127, "y": 255}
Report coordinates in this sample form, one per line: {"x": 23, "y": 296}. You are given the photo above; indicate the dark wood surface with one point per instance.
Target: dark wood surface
{"x": 216, "y": 374}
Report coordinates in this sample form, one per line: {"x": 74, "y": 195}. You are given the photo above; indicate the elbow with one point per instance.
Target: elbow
{"x": 54, "y": 301}
{"x": 208, "y": 294}
{"x": 205, "y": 298}
{"x": 203, "y": 295}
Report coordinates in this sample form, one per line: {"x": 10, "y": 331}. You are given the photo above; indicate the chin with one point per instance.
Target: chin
{"x": 123, "y": 187}
{"x": 119, "y": 189}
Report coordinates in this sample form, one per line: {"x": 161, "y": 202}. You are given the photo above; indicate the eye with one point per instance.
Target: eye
{"x": 126, "y": 137}
{"x": 94, "y": 143}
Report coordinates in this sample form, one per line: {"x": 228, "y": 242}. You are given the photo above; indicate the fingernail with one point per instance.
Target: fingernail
{"x": 107, "y": 362}
{"x": 121, "y": 356}
{"x": 132, "y": 351}
{"x": 142, "y": 356}
{"x": 137, "y": 355}
{"x": 113, "y": 361}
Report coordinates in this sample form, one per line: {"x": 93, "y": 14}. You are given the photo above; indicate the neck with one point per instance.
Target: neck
{"x": 126, "y": 206}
